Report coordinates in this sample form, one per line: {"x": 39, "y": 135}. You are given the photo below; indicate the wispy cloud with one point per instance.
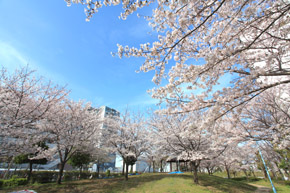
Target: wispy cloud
{"x": 10, "y": 57}
{"x": 13, "y": 58}
{"x": 141, "y": 102}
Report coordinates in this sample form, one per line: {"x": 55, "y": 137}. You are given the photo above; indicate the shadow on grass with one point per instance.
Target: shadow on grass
{"x": 227, "y": 185}
{"x": 120, "y": 185}
{"x": 222, "y": 184}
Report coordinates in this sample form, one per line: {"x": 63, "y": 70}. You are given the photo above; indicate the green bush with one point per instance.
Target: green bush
{"x": 44, "y": 176}
{"x": 108, "y": 173}
{"x": 13, "y": 182}
{"x": 75, "y": 175}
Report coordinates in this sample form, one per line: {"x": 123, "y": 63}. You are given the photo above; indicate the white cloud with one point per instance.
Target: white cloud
{"x": 13, "y": 58}
{"x": 10, "y": 57}
{"x": 141, "y": 102}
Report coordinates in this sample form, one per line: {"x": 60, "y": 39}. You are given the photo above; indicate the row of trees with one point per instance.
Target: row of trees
{"x": 76, "y": 129}
{"x": 242, "y": 40}
{"x": 34, "y": 111}
{"x": 245, "y": 40}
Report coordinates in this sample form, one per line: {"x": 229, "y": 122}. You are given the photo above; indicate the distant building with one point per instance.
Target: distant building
{"x": 54, "y": 163}
{"x": 104, "y": 112}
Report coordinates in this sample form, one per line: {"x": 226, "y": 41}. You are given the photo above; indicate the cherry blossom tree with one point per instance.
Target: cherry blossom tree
{"x": 25, "y": 100}
{"x": 100, "y": 155}
{"x": 127, "y": 136}
{"x": 186, "y": 138}
{"x": 71, "y": 126}
{"x": 155, "y": 156}
{"x": 267, "y": 117}
{"x": 229, "y": 159}
{"x": 209, "y": 165}
{"x": 202, "y": 42}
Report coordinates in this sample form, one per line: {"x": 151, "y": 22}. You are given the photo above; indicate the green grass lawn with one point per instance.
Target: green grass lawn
{"x": 149, "y": 183}
{"x": 281, "y": 186}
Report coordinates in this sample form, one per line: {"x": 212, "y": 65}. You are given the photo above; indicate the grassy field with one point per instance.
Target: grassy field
{"x": 149, "y": 183}
{"x": 280, "y": 185}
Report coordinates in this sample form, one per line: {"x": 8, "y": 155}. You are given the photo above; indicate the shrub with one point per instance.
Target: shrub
{"x": 108, "y": 173}
{"x": 13, "y": 182}
{"x": 44, "y": 176}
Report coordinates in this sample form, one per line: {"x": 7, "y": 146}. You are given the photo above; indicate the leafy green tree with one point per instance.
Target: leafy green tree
{"x": 26, "y": 158}
{"x": 285, "y": 160}
{"x": 79, "y": 159}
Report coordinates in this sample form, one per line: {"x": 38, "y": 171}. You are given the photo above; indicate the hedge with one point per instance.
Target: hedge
{"x": 12, "y": 182}
{"x": 51, "y": 176}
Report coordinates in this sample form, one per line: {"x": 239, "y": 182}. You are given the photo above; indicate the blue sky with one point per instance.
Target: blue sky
{"x": 57, "y": 41}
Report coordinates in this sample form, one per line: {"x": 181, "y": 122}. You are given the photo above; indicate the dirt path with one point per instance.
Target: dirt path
{"x": 261, "y": 189}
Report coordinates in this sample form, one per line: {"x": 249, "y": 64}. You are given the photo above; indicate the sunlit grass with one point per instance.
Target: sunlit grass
{"x": 148, "y": 183}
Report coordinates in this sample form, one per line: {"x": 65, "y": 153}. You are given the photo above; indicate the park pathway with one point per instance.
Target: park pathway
{"x": 261, "y": 189}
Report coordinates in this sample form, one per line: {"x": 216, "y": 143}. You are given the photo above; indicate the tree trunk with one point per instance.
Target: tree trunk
{"x": 170, "y": 163}
{"x": 211, "y": 170}
{"x": 253, "y": 173}
{"x": 59, "y": 177}
{"x": 123, "y": 170}
{"x": 98, "y": 169}
{"x": 228, "y": 172}
{"x": 279, "y": 170}
{"x": 265, "y": 172}
{"x": 161, "y": 168}
{"x": 80, "y": 174}
{"x": 208, "y": 170}
{"x": 235, "y": 173}
{"x": 245, "y": 172}
{"x": 30, "y": 171}
{"x": 274, "y": 174}
{"x": 195, "y": 168}
{"x": 287, "y": 174}
{"x": 6, "y": 173}
{"x": 127, "y": 170}
{"x": 153, "y": 162}
{"x": 177, "y": 169}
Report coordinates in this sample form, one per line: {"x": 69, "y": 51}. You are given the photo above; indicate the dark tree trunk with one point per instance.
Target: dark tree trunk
{"x": 208, "y": 170}
{"x": 127, "y": 170}
{"x": 6, "y": 173}
{"x": 161, "y": 168}
{"x": 123, "y": 170}
{"x": 279, "y": 170}
{"x": 30, "y": 171}
{"x": 287, "y": 174}
{"x": 170, "y": 163}
{"x": 251, "y": 170}
{"x": 61, "y": 168}
{"x": 80, "y": 174}
{"x": 274, "y": 174}
{"x": 195, "y": 169}
{"x": 246, "y": 174}
{"x": 265, "y": 172}
{"x": 98, "y": 169}
{"x": 228, "y": 172}
{"x": 177, "y": 169}
{"x": 211, "y": 170}
{"x": 153, "y": 163}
